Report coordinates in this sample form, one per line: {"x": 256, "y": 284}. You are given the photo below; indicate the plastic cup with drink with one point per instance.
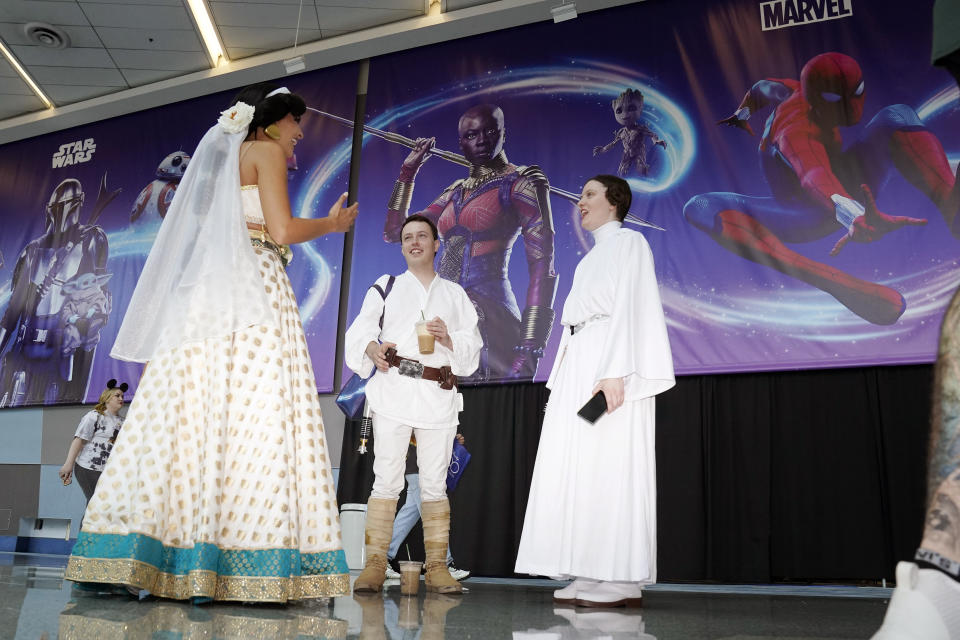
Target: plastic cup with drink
{"x": 410, "y": 577}
{"x": 425, "y": 340}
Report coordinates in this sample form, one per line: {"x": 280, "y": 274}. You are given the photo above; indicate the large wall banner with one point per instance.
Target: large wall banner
{"x": 79, "y": 210}
{"x": 800, "y": 157}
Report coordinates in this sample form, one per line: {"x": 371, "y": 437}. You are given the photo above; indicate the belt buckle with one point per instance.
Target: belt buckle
{"x": 410, "y": 368}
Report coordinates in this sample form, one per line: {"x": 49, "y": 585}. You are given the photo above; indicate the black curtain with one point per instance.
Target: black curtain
{"x": 767, "y": 477}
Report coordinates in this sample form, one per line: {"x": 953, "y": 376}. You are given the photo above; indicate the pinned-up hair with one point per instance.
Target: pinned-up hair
{"x": 269, "y": 110}
{"x": 618, "y": 193}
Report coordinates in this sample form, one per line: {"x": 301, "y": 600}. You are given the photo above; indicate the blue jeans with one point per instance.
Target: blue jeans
{"x": 408, "y": 516}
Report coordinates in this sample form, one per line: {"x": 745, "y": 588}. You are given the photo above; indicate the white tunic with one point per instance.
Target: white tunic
{"x": 592, "y": 507}
{"x": 411, "y": 401}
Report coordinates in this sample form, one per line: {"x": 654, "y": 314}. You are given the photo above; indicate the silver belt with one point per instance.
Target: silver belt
{"x": 575, "y": 328}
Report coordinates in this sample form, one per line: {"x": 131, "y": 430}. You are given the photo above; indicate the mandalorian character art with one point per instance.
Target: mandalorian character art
{"x": 479, "y": 219}
{"x": 49, "y": 330}
{"x": 155, "y": 198}
{"x": 627, "y": 109}
{"x": 820, "y": 186}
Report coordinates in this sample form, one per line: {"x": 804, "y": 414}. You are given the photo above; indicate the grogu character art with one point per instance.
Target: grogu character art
{"x": 86, "y": 308}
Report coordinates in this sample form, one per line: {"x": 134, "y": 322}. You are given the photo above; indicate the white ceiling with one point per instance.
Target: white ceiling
{"x": 126, "y": 55}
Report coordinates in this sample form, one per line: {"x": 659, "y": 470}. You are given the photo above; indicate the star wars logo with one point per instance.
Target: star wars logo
{"x": 780, "y": 14}
{"x": 74, "y": 153}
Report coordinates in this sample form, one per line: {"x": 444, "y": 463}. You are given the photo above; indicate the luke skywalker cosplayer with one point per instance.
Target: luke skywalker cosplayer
{"x": 413, "y": 392}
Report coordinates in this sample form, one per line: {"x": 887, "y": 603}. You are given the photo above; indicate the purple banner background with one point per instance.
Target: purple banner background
{"x": 128, "y": 151}
{"x": 555, "y": 83}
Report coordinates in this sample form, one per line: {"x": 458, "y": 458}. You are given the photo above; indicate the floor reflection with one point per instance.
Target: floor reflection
{"x": 36, "y": 602}
{"x": 591, "y": 623}
{"x": 97, "y": 616}
{"x": 400, "y": 617}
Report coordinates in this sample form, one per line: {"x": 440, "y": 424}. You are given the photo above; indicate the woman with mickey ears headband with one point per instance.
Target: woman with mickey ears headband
{"x": 94, "y": 440}
{"x": 220, "y": 486}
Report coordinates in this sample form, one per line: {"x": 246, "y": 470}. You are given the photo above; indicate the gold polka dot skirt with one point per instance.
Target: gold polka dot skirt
{"x": 219, "y": 485}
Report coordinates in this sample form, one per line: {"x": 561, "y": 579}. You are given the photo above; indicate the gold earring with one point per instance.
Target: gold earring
{"x": 272, "y": 131}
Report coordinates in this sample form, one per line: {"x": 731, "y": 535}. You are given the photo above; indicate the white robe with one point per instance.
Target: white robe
{"x": 592, "y": 509}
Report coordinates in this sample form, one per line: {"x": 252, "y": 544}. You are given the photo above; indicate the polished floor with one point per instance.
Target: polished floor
{"x": 36, "y": 602}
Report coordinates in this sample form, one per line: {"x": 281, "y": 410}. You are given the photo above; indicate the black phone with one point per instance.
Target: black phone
{"x": 595, "y": 407}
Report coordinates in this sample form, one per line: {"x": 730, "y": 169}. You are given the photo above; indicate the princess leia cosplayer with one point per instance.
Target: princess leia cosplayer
{"x": 591, "y": 514}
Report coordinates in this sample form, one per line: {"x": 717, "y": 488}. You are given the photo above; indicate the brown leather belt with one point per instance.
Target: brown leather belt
{"x": 415, "y": 369}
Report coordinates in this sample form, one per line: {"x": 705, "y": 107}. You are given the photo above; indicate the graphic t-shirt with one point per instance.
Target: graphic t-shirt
{"x": 97, "y": 429}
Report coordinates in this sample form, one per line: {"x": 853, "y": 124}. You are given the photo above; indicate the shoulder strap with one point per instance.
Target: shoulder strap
{"x": 390, "y": 282}
{"x": 383, "y": 294}
{"x": 244, "y": 152}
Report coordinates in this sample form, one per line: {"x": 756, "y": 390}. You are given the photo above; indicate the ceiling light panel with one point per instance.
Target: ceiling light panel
{"x": 24, "y": 75}
{"x": 16, "y": 96}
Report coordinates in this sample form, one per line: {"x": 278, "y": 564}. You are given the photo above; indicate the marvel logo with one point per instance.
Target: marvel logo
{"x": 779, "y": 14}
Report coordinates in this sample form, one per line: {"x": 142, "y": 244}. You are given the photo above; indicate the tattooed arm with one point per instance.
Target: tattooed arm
{"x": 941, "y": 534}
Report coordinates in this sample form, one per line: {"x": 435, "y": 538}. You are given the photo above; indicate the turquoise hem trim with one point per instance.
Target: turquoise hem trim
{"x": 204, "y": 556}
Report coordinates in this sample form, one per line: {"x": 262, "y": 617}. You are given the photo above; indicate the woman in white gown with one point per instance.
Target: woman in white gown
{"x": 591, "y": 513}
{"x": 219, "y": 486}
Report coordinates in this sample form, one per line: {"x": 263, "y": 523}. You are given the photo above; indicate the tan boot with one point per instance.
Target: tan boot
{"x": 436, "y": 535}
{"x": 435, "y": 607}
{"x": 380, "y": 513}
{"x": 371, "y": 627}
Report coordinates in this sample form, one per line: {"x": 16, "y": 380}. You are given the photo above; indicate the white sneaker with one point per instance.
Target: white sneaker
{"x": 610, "y": 594}
{"x": 568, "y": 594}
{"x": 912, "y": 614}
{"x": 457, "y": 574}
{"x": 391, "y": 574}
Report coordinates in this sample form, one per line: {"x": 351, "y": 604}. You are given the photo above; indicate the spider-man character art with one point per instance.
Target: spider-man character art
{"x": 819, "y": 186}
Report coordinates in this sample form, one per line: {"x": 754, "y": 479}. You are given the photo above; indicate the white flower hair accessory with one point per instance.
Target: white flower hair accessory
{"x": 237, "y": 118}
